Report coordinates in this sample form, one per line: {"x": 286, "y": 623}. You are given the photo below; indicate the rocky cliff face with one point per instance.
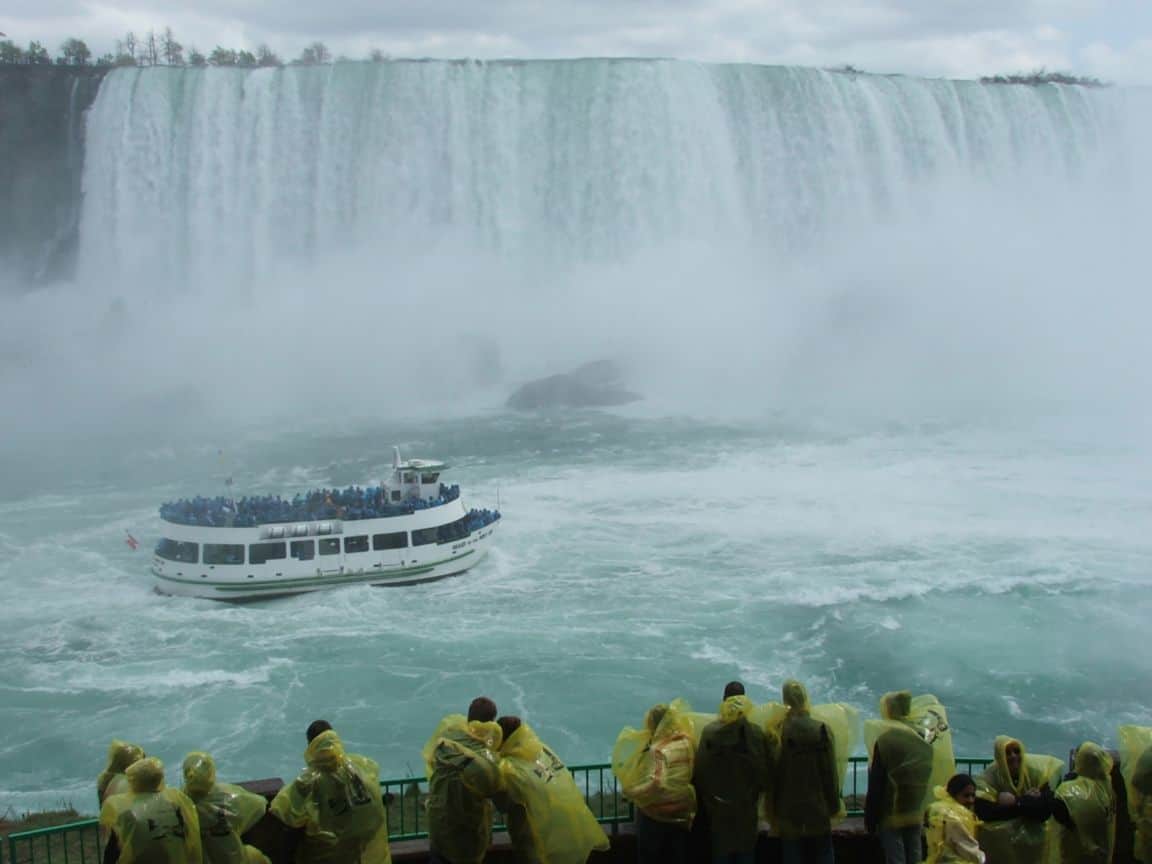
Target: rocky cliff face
{"x": 41, "y": 165}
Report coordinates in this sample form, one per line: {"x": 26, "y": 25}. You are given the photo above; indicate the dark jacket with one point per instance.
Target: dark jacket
{"x": 806, "y": 793}
{"x": 730, "y": 776}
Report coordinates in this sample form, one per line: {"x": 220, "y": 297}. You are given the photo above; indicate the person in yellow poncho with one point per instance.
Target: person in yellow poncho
{"x": 152, "y": 823}
{"x": 1136, "y": 766}
{"x": 1085, "y": 807}
{"x": 225, "y": 813}
{"x": 952, "y": 824}
{"x": 337, "y": 801}
{"x": 654, "y": 767}
{"x": 904, "y": 761}
{"x": 547, "y": 817}
{"x": 806, "y": 789}
{"x": 1014, "y": 801}
{"x": 112, "y": 781}
{"x": 463, "y": 764}
{"x": 730, "y": 775}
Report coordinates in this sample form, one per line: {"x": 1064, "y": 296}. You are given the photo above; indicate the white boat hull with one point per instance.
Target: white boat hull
{"x": 246, "y": 582}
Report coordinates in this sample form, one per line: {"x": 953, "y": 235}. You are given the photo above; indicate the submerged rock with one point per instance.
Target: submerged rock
{"x": 592, "y": 385}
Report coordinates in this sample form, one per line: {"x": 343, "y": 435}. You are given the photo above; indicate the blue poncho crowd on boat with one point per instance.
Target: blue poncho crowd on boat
{"x": 351, "y": 503}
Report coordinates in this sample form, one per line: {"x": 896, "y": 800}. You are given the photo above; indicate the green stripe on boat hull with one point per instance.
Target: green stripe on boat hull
{"x": 242, "y": 591}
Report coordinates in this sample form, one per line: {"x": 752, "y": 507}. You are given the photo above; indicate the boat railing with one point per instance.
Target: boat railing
{"x": 351, "y": 504}
{"x": 407, "y": 820}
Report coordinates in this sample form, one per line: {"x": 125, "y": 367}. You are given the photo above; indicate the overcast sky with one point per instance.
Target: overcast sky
{"x": 1111, "y": 39}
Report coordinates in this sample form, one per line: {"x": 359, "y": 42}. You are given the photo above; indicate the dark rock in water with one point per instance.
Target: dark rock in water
{"x": 592, "y": 385}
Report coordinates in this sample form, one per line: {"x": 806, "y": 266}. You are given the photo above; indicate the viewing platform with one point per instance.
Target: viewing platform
{"x": 407, "y": 823}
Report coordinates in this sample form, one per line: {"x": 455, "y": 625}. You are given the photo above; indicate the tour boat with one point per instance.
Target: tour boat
{"x": 410, "y": 528}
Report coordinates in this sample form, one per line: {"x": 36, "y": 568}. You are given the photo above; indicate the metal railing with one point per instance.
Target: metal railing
{"x": 408, "y": 821}
{"x": 856, "y": 779}
{"x": 79, "y": 842}
{"x": 75, "y": 843}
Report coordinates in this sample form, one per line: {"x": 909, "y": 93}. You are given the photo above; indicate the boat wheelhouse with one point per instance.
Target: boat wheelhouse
{"x": 408, "y": 529}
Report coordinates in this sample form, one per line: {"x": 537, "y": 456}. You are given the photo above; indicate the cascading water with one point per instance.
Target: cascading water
{"x": 195, "y": 175}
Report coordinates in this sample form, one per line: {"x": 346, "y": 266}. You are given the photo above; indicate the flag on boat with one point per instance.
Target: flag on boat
{"x": 131, "y": 541}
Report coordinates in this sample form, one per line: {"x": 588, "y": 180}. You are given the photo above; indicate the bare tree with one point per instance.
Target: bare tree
{"x": 315, "y": 53}
{"x": 126, "y": 48}
{"x": 265, "y": 56}
{"x": 151, "y": 49}
{"x": 172, "y": 50}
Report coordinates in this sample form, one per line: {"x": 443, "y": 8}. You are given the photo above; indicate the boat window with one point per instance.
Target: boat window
{"x": 457, "y": 530}
{"x": 395, "y": 540}
{"x": 330, "y": 546}
{"x": 409, "y": 477}
{"x": 176, "y": 550}
{"x": 359, "y": 543}
{"x": 429, "y": 478}
{"x": 395, "y": 494}
{"x": 223, "y": 553}
{"x": 424, "y": 536}
{"x": 258, "y": 553}
{"x": 303, "y": 550}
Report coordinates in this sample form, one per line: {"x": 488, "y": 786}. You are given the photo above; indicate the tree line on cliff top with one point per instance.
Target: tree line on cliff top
{"x": 159, "y": 49}
{"x": 164, "y": 50}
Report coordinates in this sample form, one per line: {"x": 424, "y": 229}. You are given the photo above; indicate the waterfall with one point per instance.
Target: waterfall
{"x": 193, "y": 175}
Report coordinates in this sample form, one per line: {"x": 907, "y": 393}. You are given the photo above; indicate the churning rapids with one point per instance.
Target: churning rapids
{"x": 891, "y": 334}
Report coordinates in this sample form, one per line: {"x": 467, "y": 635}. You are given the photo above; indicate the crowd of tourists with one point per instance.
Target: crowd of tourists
{"x": 702, "y": 785}
{"x": 352, "y": 503}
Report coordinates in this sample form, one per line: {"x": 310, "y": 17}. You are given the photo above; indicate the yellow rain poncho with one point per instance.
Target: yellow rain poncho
{"x": 111, "y": 781}
{"x": 844, "y": 722}
{"x": 654, "y": 766}
{"x": 769, "y": 716}
{"x": 1136, "y": 766}
{"x": 225, "y": 812}
{"x": 812, "y": 746}
{"x": 731, "y": 774}
{"x": 951, "y": 832}
{"x": 555, "y": 825}
{"x": 1021, "y": 840}
{"x": 463, "y": 774}
{"x": 1091, "y": 805}
{"x": 154, "y": 824}
{"x": 337, "y": 801}
{"x": 914, "y": 744}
